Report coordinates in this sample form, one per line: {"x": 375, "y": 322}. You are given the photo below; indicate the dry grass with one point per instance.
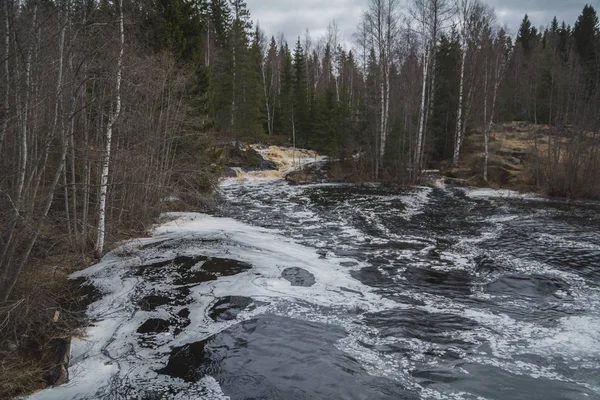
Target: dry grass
{"x": 510, "y": 152}
{"x": 519, "y": 155}
{"x": 45, "y": 306}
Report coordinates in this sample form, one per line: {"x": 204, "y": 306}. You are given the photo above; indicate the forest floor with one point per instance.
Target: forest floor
{"x": 511, "y": 157}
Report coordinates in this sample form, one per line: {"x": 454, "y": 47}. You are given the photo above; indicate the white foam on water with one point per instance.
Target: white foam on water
{"x": 501, "y": 193}
{"x": 111, "y": 351}
{"x": 414, "y": 203}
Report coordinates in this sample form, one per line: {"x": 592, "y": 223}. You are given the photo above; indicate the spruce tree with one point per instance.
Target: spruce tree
{"x": 272, "y": 82}
{"x": 285, "y": 108}
{"x": 443, "y": 118}
{"x": 300, "y": 103}
{"x": 586, "y": 34}
{"x": 525, "y": 34}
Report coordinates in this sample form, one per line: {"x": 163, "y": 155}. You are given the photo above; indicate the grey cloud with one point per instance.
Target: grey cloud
{"x": 540, "y": 12}
{"x": 293, "y": 17}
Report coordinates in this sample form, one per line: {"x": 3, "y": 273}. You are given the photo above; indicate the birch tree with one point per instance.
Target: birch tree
{"x": 112, "y": 119}
{"x": 380, "y": 23}
{"x": 474, "y": 19}
{"x": 501, "y": 53}
{"x": 432, "y": 17}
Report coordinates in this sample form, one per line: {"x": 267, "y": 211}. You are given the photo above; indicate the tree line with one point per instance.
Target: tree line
{"x": 423, "y": 75}
{"x": 108, "y": 107}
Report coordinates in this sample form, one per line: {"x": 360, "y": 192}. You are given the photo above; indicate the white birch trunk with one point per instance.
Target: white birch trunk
{"x": 24, "y": 150}
{"x": 459, "y": 115}
{"x": 382, "y": 135}
{"x": 207, "y": 59}
{"x": 6, "y": 74}
{"x": 233, "y": 90}
{"x": 114, "y": 115}
{"x": 488, "y": 128}
{"x": 419, "y": 150}
{"x": 267, "y": 105}
{"x": 386, "y": 111}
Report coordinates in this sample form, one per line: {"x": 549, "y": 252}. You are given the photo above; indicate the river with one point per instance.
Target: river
{"x": 336, "y": 291}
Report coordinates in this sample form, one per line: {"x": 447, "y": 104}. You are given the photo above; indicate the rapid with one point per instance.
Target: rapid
{"x": 336, "y": 291}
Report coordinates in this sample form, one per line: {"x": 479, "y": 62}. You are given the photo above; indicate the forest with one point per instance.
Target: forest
{"x": 110, "y": 107}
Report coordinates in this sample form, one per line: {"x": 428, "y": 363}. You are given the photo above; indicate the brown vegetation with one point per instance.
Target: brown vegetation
{"x": 534, "y": 158}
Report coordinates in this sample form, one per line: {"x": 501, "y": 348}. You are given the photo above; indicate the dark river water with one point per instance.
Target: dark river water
{"x": 345, "y": 292}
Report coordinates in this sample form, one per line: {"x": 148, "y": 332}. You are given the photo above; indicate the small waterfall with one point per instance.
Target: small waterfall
{"x": 287, "y": 158}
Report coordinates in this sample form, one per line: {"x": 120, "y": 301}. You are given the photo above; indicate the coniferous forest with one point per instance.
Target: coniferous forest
{"x": 109, "y": 107}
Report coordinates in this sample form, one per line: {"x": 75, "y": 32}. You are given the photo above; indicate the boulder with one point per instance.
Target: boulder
{"x": 228, "y": 173}
{"x": 311, "y": 173}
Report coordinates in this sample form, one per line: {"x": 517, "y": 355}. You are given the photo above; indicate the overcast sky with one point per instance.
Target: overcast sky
{"x": 293, "y": 17}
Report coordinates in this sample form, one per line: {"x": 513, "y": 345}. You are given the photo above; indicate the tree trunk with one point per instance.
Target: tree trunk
{"x": 114, "y": 115}
{"x": 421, "y": 135}
{"x": 6, "y": 110}
{"x": 267, "y": 104}
{"x": 24, "y": 148}
{"x": 488, "y": 128}
{"x": 459, "y": 115}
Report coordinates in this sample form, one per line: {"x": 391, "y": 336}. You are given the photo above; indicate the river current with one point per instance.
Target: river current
{"x": 338, "y": 291}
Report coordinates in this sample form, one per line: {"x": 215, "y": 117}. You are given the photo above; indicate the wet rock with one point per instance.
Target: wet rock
{"x": 185, "y": 313}
{"x": 185, "y": 362}
{"x": 189, "y": 277}
{"x": 192, "y": 270}
{"x": 151, "y": 302}
{"x": 228, "y": 308}
{"x": 298, "y": 277}
{"x": 226, "y": 267}
{"x": 312, "y": 173}
{"x": 228, "y": 173}
{"x": 269, "y": 165}
{"x": 182, "y": 321}
{"x": 249, "y": 160}
{"x": 158, "y": 269}
{"x": 154, "y": 325}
